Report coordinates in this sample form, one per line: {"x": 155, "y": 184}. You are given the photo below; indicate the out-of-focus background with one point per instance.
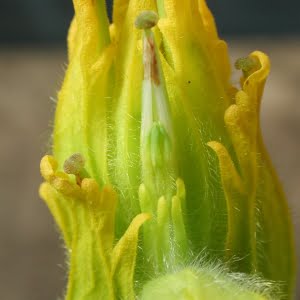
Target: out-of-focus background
{"x": 32, "y": 65}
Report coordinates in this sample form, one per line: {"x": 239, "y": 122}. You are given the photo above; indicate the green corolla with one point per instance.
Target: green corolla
{"x": 150, "y": 135}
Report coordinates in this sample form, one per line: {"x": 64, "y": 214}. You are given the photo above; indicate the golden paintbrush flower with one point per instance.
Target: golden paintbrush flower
{"x": 147, "y": 114}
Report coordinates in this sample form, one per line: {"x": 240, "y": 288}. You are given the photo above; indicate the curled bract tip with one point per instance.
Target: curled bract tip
{"x": 48, "y": 167}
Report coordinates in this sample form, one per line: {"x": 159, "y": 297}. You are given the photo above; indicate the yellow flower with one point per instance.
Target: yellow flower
{"x": 147, "y": 114}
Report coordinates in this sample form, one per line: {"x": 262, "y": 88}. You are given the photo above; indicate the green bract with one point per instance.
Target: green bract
{"x": 150, "y": 133}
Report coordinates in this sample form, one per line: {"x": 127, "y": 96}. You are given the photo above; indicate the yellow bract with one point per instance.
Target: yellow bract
{"x": 86, "y": 218}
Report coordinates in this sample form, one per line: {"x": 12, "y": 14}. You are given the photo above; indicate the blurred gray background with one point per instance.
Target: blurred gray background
{"x": 32, "y": 64}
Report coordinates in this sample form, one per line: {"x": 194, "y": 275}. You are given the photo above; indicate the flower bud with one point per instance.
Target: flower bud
{"x": 207, "y": 283}
{"x": 151, "y": 134}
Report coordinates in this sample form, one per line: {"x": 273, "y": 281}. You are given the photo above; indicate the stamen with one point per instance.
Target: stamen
{"x": 75, "y": 165}
{"x": 247, "y": 64}
{"x": 146, "y": 19}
